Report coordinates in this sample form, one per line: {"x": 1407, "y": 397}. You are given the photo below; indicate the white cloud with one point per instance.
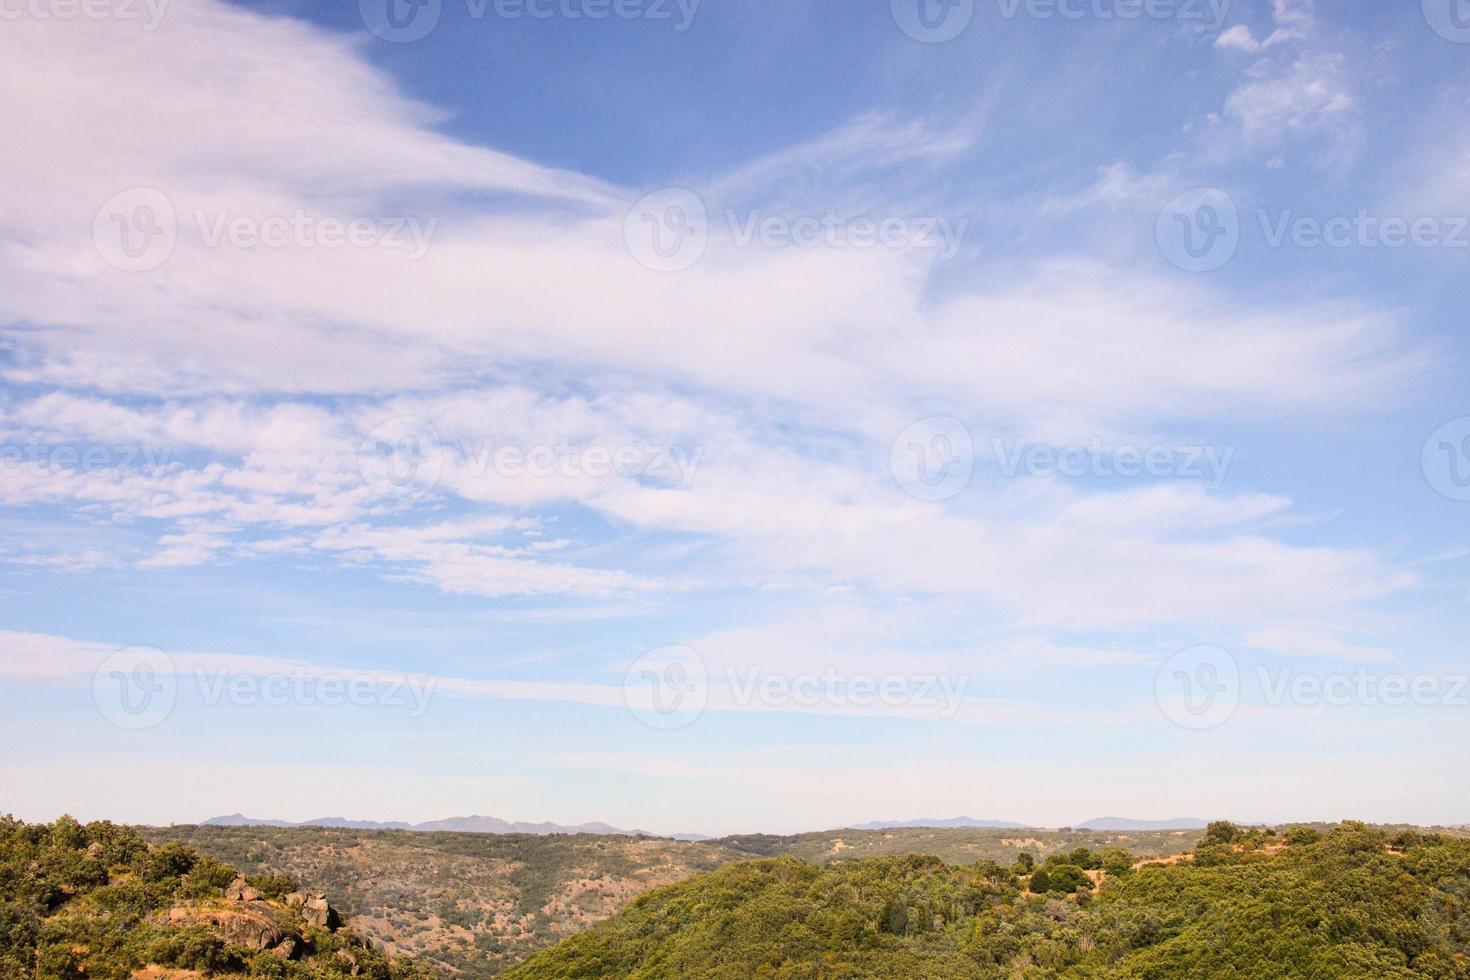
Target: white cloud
{"x": 458, "y": 561}
{"x": 182, "y": 550}
{"x": 1298, "y": 642}
{"x": 844, "y": 346}
{"x": 1296, "y": 94}
{"x": 1309, "y": 96}
{"x": 1238, "y": 38}
{"x": 40, "y": 657}
{"x": 801, "y": 325}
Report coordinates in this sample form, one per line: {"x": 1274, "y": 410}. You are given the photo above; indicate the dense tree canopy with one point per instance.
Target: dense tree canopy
{"x": 96, "y": 901}
{"x": 1353, "y": 903}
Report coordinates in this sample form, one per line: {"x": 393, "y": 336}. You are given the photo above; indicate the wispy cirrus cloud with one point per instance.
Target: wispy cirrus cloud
{"x": 526, "y": 323}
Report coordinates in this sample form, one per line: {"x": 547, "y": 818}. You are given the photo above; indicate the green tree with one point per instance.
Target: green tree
{"x": 1221, "y": 832}
{"x": 1116, "y": 861}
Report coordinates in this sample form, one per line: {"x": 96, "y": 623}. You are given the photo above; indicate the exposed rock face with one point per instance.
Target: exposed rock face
{"x": 250, "y": 920}
{"x": 239, "y": 891}
{"x": 252, "y": 927}
{"x": 315, "y": 909}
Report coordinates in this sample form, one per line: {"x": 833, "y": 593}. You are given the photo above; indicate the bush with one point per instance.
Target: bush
{"x": 168, "y": 861}
{"x": 1221, "y": 832}
{"x": 193, "y": 948}
{"x": 1302, "y": 836}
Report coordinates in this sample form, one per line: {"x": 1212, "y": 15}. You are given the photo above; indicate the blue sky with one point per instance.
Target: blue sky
{"x": 684, "y": 374}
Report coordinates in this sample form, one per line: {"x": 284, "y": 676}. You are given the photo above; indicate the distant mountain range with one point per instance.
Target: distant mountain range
{"x": 495, "y": 825}
{"x": 1098, "y": 823}
{"x": 1128, "y": 823}
{"x": 938, "y": 823}
{"x": 464, "y": 825}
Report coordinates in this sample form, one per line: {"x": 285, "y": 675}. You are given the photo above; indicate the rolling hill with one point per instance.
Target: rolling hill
{"x": 97, "y": 901}
{"x": 477, "y": 903}
{"x": 1355, "y": 903}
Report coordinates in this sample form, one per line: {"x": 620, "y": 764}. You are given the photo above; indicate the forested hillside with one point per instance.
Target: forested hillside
{"x": 475, "y": 904}
{"x": 98, "y": 902}
{"x": 1355, "y": 902}
{"x": 1343, "y": 901}
{"x": 471, "y": 904}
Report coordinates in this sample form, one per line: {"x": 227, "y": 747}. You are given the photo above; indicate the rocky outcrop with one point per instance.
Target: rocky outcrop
{"x": 315, "y": 909}
{"x": 239, "y": 891}
{"x": 254, "y": 927}
{"x": 247, "y": 918}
